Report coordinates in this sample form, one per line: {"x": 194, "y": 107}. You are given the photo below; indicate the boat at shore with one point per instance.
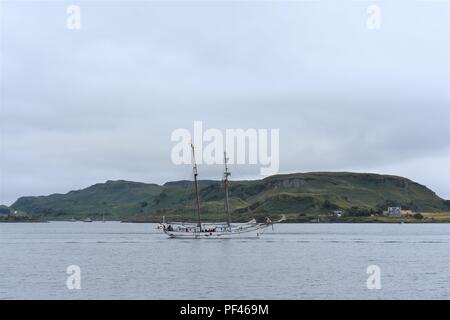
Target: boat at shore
{"x": 214, "y": 230}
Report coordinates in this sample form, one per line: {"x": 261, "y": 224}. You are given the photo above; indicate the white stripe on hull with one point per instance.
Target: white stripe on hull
{"x": 233, "y": 234}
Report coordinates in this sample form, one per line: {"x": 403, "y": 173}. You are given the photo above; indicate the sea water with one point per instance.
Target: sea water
{"x": 294, "y": 261}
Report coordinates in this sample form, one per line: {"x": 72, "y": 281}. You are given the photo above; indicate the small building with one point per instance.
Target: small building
{"x": 407, "y": 213}
{"x": 395, "y": 212}
{"x": 337, "y": 213}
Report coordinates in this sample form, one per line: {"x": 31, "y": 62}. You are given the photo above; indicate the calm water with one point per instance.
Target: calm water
{"x": 297, "y": 261}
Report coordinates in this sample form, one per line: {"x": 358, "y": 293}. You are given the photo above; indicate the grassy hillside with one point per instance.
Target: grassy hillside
{"x": 110, "y": 198}
{"x": 4, "y": 210}
{"x": 299, "y": 195}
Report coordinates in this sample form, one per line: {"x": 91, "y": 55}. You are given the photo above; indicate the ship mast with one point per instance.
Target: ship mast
{"x": 226, "y": 174}
{"x": 197, "y": 197}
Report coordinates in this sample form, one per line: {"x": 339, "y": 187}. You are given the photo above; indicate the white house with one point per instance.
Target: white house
{"x": 395, "y": 212}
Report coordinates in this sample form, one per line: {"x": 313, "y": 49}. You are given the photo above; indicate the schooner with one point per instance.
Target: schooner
{"x": 216, "y": 230}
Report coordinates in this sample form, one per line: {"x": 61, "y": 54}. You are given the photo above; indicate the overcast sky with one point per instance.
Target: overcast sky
{"x": 84, "y": 106}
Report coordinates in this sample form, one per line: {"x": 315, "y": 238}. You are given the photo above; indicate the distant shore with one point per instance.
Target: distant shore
{"x": 394, "y": 221}
{"x": 284, "y": 222}
{"x": 425, "y": 217}
{"x": 13, "y": 219}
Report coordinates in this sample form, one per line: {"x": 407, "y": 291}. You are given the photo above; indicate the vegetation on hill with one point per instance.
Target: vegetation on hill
{"x": 4, "y": 210}
{"x": 299, "y": 196}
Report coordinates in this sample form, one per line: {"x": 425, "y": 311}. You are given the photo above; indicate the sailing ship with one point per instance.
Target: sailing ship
{"x": 216, "y": 230}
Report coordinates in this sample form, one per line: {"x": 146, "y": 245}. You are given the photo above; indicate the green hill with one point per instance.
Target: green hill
{"x": 300, "y": 194}
{"x": 4, "y": 210}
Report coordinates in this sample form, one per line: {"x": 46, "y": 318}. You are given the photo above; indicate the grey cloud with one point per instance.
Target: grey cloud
{"x": 79, "y": 107}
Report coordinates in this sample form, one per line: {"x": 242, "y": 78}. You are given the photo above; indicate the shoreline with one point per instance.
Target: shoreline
{"x": 424, "y": 218}
{"x": 284, "y": 222}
